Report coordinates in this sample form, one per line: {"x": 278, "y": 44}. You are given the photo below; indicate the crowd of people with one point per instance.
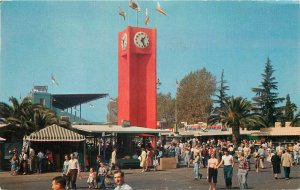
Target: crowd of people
{"x": 28, "y": 162}
{"x": 214, "y": 153}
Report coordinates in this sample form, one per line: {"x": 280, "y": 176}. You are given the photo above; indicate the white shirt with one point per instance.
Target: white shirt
{"x": 40, "y": 155}
{"x": 124, "y": 186}
{"x": 73, "y": 164}
{"x": 227, "y": 160}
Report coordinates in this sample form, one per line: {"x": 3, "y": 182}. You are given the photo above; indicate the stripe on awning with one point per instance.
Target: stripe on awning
{"x": 55, "y": 133}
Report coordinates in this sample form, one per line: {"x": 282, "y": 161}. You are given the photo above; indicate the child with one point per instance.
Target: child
{"x": 92, "y": 178}
{"x": 14, "y": 165}
{"x": 102, "y": 173}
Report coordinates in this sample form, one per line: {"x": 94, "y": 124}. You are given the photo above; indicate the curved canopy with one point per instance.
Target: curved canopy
{"x": 55, "y": 133}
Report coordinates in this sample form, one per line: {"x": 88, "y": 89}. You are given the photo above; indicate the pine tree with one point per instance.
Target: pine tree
{"x": 289, "y": 109}
{"x": 266, "y": 97}
{"x": 221, "y": 92}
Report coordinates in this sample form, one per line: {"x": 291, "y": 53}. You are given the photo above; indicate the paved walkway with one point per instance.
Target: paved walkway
{"x": 173, "y": 179}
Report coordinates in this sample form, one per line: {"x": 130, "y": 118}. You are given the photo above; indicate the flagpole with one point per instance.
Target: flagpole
{"x": 137, "y": 18}
{"x": 128, "y": 17}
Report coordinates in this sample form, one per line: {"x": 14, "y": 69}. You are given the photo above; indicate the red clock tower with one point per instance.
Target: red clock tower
{"x": 137, "y": 77}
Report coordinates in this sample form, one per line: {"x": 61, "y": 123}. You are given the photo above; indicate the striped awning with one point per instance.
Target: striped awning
{"x": 55, "y": 133}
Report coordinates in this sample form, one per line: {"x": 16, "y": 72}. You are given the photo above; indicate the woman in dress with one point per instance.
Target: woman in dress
{"x": 256, "y": 158}
{"x": 143, "y": 160}
{"x": 149, "y": 159}
{"x": 212, "y": 171}
{"x": 276, "y": 160}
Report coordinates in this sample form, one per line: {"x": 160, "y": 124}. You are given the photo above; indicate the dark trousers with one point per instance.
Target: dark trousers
{"x": 73, "y": 177}
{"x": 287, "y": 171}
{"x": 204, "y": 161}
{"x": 228, "y": 175}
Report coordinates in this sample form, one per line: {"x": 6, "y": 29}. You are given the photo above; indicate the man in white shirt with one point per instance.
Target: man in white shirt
{"x": 73, "y": 170}
{"x": 228, "y": 162}
{"x": 119, "y": 180}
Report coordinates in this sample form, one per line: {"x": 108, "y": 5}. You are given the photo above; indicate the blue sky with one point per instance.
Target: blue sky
{"x": 77, "y": 42}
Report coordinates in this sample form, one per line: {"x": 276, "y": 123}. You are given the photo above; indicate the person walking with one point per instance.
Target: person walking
{"x": 40, "y": 158}
{"x": 228, "y": 162}
{"x": 243, "y": 169}
{"x": 65, "y": 172}
{"x": 143, "y": 160}
{"x": 205, "y": 156}
{"x": 286, "y": 162}
{"x": 187, "y": 155}
{"x": 73, "y": 170}
{"x": 31, "y": 159}
{"x": 256, "y": 158}
{"x": 262, "y": 154}
{"x": 149, "y": 158}
{"x": 114, "y": 164}
{"x": 196, "y": 166}
{"x": 24, "y": 161}
{"x": 275, "y": 160}
{"x": 212, "y": 172}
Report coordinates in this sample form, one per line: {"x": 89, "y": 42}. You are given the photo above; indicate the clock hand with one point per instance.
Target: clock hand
{"x": 143, "y": 41}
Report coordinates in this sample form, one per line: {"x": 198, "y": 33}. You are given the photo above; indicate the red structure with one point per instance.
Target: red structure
{"x": 137, "y": 77}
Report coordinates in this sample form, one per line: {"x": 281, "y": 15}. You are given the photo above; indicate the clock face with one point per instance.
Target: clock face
{"x": 124, "y": 41}
{"x": 141, "y": 40}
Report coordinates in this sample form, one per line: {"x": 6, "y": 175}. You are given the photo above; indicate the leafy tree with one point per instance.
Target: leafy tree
{"x": 194, "y": 103}
{"x": 237, "y": 112}
{"x": 289, "y": 109}
{"x": 165, "y": 109}
{"x": 266, "y": 99}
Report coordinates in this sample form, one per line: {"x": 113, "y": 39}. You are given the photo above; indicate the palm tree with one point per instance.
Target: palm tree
{"x": 236, "y": 113}
{"x": 20, "y": 116}
{"x": 5, "y": 110}
{"x": 25, "y": 117}
{"x": 43, "y": 117}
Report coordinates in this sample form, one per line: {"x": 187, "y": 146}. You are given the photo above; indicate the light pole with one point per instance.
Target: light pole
{"x": 176, "y": 111}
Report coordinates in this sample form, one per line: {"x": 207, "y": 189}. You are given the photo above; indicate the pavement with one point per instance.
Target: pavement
{"x": 172, "y": 179}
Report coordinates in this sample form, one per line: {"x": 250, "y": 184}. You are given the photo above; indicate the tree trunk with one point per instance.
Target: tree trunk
{"x": 235, "y": 135}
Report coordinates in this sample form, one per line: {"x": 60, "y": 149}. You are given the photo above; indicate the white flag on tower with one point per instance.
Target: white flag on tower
{"x": 160, "y": 10}
{"x": 134, "y": 5}
{"x": 147, "y": 19}
{"x": 53, "y": 79}
{"x": 122, "y": 13}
